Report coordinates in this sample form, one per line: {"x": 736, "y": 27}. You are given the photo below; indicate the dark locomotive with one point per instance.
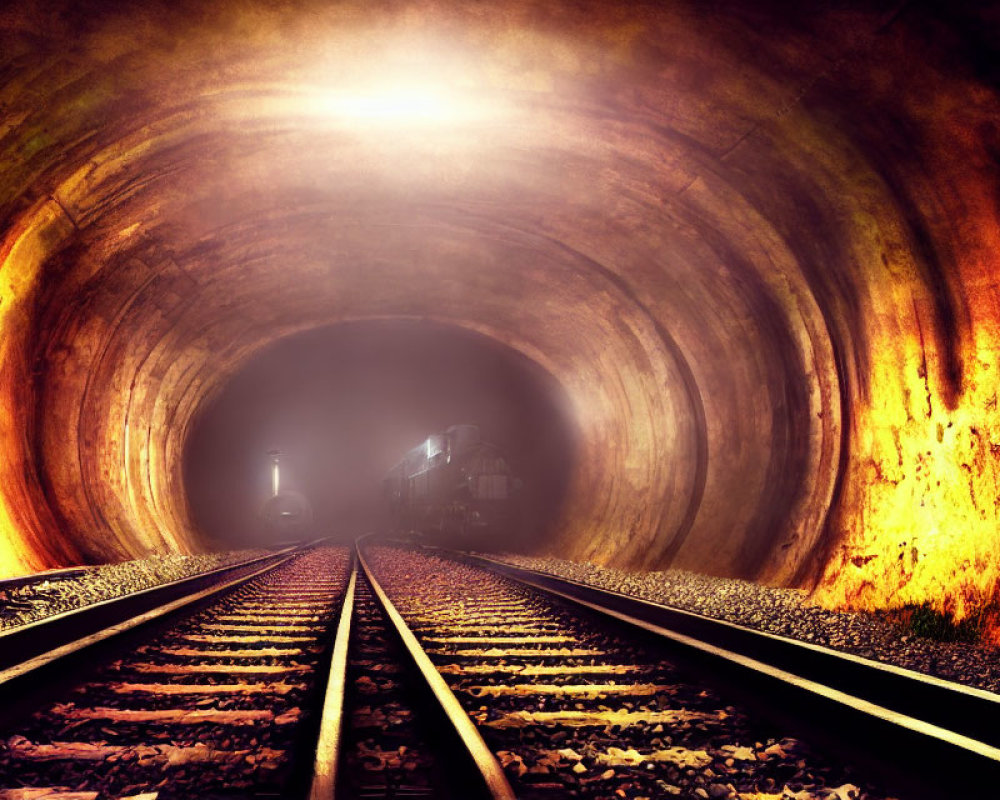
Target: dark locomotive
{"x": 453, "y": 486}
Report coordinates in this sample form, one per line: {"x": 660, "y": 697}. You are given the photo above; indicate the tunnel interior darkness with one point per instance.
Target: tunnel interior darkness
{"x": 345, "y": 403}
{"x": 754, "y": 243}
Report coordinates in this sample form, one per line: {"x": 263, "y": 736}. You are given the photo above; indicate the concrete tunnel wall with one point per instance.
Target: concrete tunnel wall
{"x": 757, "y": 247}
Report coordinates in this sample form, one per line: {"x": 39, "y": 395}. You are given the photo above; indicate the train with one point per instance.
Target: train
{"x": 453, "y": 486}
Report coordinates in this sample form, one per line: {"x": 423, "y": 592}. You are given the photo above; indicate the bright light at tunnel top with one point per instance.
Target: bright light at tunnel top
{"x": 403, "y": 99}
{"x": 404, "y": 104}
{"x": 398, "y": 82}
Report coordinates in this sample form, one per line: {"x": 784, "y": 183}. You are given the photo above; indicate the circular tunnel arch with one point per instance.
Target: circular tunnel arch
{"x": 663, "y": 205}
{"x": 240, "y": 262}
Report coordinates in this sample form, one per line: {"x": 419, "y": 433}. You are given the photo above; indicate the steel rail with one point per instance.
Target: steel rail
{"x": 327, "y": 759}
{"x": 18, "y": 675}
{"x": 65, "y": 573}
{"x": 21, "y": 642}
{"x": 950, "y": 704}
{"x": 863, "y": 703}
{"x": 487, "y": 764}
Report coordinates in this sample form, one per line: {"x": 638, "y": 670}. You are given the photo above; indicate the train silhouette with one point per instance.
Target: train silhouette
{"x": 453, "y": 486}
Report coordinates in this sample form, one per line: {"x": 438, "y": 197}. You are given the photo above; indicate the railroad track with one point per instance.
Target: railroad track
{"x": 573, "y": 707}
{"x": 928, "y": 737}
{"x": 221, "y": 695}
{"x": 446, "y": 680}
{"x": 213, "y": 705}
{"x": 395, "y": 740}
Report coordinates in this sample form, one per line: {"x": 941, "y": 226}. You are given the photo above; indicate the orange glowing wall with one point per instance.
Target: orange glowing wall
{"x": 919, "y": 517}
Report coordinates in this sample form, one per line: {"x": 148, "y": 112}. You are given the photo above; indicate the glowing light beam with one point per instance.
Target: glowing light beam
{"x": 401, "y": 105}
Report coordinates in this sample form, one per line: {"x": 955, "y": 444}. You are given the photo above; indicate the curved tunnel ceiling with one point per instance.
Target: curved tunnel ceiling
{"x": 756, "y": 246}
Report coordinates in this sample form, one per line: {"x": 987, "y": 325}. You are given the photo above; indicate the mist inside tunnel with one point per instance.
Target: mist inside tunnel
{"x": 344, "y": 404}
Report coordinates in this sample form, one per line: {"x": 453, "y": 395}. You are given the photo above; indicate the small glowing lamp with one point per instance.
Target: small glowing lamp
{"x": 275, "y": 475}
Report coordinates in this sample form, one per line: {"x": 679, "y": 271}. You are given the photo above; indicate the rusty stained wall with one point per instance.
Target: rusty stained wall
{"x": 756, "y": 246}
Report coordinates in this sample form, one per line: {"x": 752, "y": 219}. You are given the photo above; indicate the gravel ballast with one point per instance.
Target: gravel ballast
{"x": 609, "y": 719}
{"x": 55, "y": 594}
{"x": 787, "y": 612}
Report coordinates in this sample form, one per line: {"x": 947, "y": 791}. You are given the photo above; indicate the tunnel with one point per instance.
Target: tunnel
{"x": 345, "y": 402}
{"x": 752, "y": 245}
